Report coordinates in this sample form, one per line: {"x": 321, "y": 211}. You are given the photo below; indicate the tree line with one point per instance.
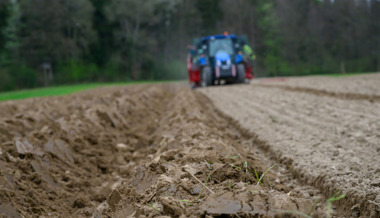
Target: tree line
{"x": 45, "y": 42}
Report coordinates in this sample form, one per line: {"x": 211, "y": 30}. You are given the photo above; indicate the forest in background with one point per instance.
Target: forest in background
{"x": 123, "y": 40}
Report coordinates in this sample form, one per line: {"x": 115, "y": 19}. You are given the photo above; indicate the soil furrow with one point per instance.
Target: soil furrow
{"x": 200, "y": 141}
{"x": 288, "y": 116}
{"x": 318, "y": 92}
{"x": 340, "y": 127}
{"x": 365, "y": 84}
{"x": 318, "y": 113}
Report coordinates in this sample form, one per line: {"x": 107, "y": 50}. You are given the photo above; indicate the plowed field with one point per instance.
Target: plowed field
{"x": 271, "y": 148}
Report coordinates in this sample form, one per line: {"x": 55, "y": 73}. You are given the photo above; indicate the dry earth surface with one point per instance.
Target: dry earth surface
{"x": 365, "y": 84}
{"x": 164, "y": 150}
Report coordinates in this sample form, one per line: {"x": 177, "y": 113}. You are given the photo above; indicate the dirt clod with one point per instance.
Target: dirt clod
{"x": 113, "y": 199}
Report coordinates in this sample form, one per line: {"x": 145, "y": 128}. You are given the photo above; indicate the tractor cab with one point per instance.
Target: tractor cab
{"x": 217, "y": 58}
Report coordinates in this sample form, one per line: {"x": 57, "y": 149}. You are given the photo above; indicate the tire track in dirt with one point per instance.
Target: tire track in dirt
{"x": 367, "y": 84}
{"x": 341, "y": 127}
{"x": 311, "y": 159}
{"x": 319, "y": 92}
{"x": 283, "y": 120}
{"x": 314, "y": 115}
{"x": 291, "y": 116}
{"x": 355, "y": 113}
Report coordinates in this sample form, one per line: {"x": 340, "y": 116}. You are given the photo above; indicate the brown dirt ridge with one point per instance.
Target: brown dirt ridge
{"x": 164, "y": 150}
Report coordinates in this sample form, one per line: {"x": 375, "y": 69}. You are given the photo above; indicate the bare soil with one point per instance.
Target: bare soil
{"x": 356, "y": 85}
{"x": 329, "y": 141}
{"x": 164, "y": 150}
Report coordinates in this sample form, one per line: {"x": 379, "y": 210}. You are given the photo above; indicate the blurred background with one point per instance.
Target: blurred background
{"x": 54, "y": 42}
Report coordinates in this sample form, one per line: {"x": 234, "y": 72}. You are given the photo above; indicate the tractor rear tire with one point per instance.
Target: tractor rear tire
{"x": 206, "y": 77}
{"x": 240, "y": 73}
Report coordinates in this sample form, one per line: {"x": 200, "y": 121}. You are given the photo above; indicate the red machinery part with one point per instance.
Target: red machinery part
{"x": 193, "y": 72}
{"x": 248, "y": 73}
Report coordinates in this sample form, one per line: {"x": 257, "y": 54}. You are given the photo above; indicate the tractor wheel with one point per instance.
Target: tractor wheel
{"x": 206, "y": 77}
{"x": 240, "y": 73}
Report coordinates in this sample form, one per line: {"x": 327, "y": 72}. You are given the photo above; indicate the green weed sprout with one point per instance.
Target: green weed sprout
{"x": 332, "y": 199}
{"x": 257, "y": 175}
{"x": 262, "y": 176}
{"x": 246, "y": 167}
{"x": 200, "y": 193}
{"x": 204, "y": 186}
{"x": 155, "y": 209}
{"x": 234, "y": 166}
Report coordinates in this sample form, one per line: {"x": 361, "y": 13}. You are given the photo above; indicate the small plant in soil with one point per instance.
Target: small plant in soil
{"x": 257, "y": 175}
{"x": 230, "y": 186}
{"x": 155, "y": 209}
{"x": 246, "y": 167}
{"x": 262, "y": 176}
{"x": 236, "y": 167}
{"x": 204, "y": 186}
{"x": 332, "y": 199}
{"x": 200, "y": 193}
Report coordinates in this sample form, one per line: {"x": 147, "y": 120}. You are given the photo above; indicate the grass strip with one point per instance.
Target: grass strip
{"x": 64, "y": 90}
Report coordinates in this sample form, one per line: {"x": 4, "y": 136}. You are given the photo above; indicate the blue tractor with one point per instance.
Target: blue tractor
{"x": 217, "y": 59}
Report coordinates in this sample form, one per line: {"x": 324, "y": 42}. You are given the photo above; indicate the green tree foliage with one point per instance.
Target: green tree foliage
{"x": 10, "y": 34}
{"x": 101, "y": 49}
{"x": 55, "y": 30}
{"x": 211, "y": 13}
{"x": 329, "y": 36}
{"x": 4, "y": 13}
{"x": 113, "y": 40}
{"x": 269, "y": 52}
{"x": 142, "y": 28}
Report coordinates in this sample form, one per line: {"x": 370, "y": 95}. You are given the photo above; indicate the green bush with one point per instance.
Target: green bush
{"x": 74, "y": 71}
{"x": 17, "y": 77}
{"x": 113, "y": 72}
{"x": 6, "y": 81}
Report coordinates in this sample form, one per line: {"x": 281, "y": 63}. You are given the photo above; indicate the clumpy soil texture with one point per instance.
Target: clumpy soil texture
{"x": 164, "y": 150}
